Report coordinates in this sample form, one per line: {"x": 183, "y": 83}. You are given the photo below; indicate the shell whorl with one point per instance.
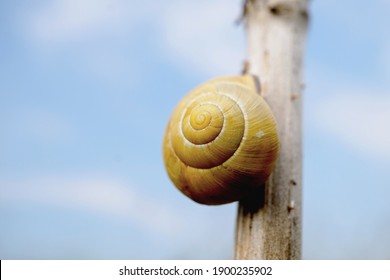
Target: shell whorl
{"x": 221, "y": 141}
{"x": 205, "y": 128}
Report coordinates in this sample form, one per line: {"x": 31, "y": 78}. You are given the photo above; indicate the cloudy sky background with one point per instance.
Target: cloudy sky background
{"x": 86, "y": 89}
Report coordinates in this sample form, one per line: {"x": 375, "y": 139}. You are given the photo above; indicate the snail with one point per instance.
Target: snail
{"x": 221, "y": 141}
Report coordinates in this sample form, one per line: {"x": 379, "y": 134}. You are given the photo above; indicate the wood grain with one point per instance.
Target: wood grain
{"x": 269, "y": 221}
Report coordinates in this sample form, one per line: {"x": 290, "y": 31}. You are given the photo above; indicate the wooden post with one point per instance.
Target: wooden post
{"x": 269, "y": 222}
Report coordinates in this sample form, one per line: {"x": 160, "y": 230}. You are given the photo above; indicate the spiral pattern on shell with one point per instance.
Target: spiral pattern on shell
{"x": 221, "y": 141}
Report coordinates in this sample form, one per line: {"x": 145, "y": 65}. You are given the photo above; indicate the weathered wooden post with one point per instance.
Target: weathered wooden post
{"x": 269, "y": 222}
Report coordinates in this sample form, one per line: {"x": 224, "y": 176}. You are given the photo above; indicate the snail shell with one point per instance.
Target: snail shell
{"x": 221, "y": 141}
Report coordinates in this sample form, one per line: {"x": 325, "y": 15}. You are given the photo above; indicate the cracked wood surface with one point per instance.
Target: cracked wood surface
{"x": 269, "y": 222}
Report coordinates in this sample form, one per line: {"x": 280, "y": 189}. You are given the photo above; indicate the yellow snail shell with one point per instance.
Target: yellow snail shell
{"x": 221, "y": 141}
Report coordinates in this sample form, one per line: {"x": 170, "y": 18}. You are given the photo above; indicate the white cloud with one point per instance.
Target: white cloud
{"x": 102, "y": 196}
{"x": 359, "y": 119}
{"x": 61, "y": 21}
{"x": 202, "y": 36}
{"x": 92, "y": 33}
{"x": 199, "y": 36}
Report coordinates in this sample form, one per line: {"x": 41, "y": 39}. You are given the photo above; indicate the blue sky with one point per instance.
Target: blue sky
{"x": 86, "y": 89}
